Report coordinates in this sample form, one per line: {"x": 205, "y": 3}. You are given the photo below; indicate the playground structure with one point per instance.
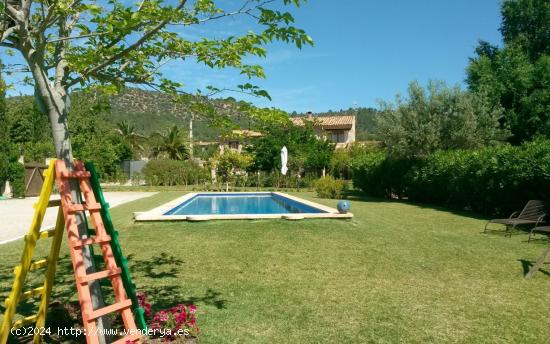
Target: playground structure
{"x": 102, "y": 234}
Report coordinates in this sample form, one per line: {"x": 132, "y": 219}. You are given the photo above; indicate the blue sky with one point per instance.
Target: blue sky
{"x": 364, "y": 51}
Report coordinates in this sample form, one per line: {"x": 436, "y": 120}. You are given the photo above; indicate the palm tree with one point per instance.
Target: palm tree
{"x": 129, "y": 134}
{"x": 172, "y": 144}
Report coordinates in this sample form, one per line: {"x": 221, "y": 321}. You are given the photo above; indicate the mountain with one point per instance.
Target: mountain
{"x": 152, "y": 111}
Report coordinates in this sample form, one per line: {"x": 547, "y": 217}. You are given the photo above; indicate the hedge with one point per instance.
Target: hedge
{"x": 174, "y": 172}
{"x": 494, "y": 180}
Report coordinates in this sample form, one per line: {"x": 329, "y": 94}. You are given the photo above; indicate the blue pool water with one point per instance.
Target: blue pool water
{"x": 250, "y": 203}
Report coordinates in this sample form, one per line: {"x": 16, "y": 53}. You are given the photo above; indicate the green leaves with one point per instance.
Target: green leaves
{"x": 116, "y": 42}
{"x": 517, "y": 76}
{"x": 439, "y": 117}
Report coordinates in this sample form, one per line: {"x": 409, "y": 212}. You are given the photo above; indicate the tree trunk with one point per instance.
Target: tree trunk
{"x": 55, "y": 103}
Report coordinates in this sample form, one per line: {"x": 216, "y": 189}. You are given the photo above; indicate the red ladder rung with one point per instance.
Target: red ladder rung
{"x": 75, "y": 174}
{"x": 134, "y": 337}
{"x": 74, "y": 208}
{"x": 115, "y": 307}
{"x": 90, "y": 241}
{"x": 99, "y": 275}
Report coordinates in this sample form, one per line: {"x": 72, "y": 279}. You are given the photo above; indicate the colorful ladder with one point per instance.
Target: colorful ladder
{"x": 115, "y": 246}
{"x": 122, "y": 303}
{"x": 17, "y": 295}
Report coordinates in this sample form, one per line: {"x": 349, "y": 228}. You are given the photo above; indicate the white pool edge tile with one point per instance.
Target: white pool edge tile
{"x": 157, "y": 214}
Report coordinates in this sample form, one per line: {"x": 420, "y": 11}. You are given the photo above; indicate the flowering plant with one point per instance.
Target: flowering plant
{"x": 142, "y": 301}
{"x": 180, "y": 318}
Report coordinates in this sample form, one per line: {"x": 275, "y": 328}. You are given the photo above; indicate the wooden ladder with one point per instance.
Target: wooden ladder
{"x": 129, "y": 285}
{"x": 26, "y": 265}
{"x": 122, "y": 304}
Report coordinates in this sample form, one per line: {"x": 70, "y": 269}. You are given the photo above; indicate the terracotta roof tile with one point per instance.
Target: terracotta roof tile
{"x": 327, "y": 122}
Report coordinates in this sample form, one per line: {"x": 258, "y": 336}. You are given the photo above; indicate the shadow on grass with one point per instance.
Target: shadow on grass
{"x": 170, "y": 293}
{"x": 359, "y": 196}
{"x": 162, "y": 266}
{"x": 527, "y": 264}
{"x": 163, "y": 297}
{"x": 64, "y": 287}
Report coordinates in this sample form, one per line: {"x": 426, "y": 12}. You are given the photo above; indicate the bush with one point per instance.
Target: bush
{"x": 12, "y": 170}
{"x": 328, "y": 187}
{"x": 494, "y": 180}
{"x": 380, "y": 175}
{"x": 174, "y": 172}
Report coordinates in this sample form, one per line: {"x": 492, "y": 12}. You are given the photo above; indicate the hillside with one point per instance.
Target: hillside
{"x": 152, "y": 111}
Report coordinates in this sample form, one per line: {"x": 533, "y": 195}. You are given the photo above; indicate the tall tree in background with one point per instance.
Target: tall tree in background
{"x": 438, "y": 117}
{"x": 129, "y": 135}
{"x": 74, "y": 43}
{"x": 4, "y": 135}
{"x": 172, "y": 144}
{"x": 10, "y": 168}
{"x": 517, "y": 75}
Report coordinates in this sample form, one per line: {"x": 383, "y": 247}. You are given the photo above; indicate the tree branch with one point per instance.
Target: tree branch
{"x": 242, "y": 10}
{"x": 61, "y": 39}
{"x": 7, "y": 33}
{"x": 128, "y": 49}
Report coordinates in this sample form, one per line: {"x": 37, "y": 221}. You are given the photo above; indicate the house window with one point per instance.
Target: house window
{"x": 339, "y": 136}
{"x": 234, "y": 145}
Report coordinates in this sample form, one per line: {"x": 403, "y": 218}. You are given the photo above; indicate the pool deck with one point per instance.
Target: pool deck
{"x": 17, "y": 214}
{"x": 157, "y": 214}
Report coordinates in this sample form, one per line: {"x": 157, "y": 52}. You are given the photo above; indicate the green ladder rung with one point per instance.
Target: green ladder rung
{"x": 121, "y": 261}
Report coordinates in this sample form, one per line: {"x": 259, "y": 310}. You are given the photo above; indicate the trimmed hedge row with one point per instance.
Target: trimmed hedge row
{"x": 174, "y": 172}
{"x": 495, "y": 180}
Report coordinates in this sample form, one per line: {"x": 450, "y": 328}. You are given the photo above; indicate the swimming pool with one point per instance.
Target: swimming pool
{"x": 238, "y": 205}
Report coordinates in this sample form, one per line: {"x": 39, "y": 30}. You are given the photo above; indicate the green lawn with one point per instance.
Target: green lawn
{"x": 395, "y": 273}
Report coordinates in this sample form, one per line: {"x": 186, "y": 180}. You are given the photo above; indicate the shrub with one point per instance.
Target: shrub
{"x": 174, "y": 172}
{"x": 495, "y": 180}
{"x": 180, "y": 318}
{"x": 380, "y": 175}
{"x": 328, "y": 187}
{"x": 16, "y": 173}
{"x": 492, "y": 180}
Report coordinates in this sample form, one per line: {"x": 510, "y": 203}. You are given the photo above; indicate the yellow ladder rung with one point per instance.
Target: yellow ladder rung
{"x": 38, "y": 264}
{"x": 31, "y": 293}
{"x": 54, "y": 203}
{"x": 34, "y": 266}
{"x": 27, "y": 295}
{"x": 47, "y": 234}
{"x": 25, "y": 321}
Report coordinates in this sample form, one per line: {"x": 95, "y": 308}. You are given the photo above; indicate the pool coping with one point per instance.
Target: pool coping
{"x": 157, "y": 214}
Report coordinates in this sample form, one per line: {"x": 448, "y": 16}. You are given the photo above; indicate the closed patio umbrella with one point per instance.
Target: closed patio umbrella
{"x": 284, "y": 160}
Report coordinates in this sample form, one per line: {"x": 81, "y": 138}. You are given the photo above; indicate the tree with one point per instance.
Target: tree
{"x": 438, "y": 117}
{"x": 172, "y": 144}
{"x": 305, "y": 150}
{"x": 10, "y": 168}
{"x": 517, "y": 75}
{"x": 74, "y": 43}
{"x": 130, "y": 136}
{"x": 230, "y": 162}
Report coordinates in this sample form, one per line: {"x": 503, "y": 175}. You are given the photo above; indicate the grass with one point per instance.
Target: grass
{"x": 397, "y": 272}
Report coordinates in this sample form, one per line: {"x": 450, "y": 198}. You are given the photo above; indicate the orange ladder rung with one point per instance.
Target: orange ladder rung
{"x": 99, "y": 275}
{"x": 75, "y": 174}
{"x": 115, "y": 307}
{"x": 129, "y": 338}
{"x": 90, "y": 241}
{"x": 74, "y": 208}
